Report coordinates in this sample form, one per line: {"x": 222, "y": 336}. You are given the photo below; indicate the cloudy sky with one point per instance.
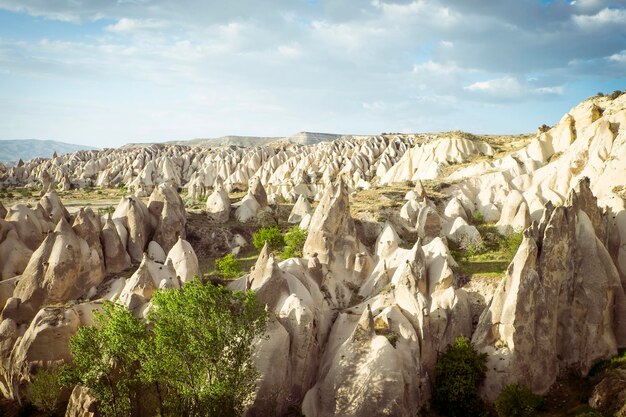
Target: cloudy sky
{"x": 106, "y": 72}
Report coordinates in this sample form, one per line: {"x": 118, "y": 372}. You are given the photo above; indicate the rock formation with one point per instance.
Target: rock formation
{"x": 356, "y": 326}
{"x": 561, "y": 304}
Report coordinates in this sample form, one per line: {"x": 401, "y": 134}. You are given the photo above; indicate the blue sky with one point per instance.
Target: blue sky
{"x": 105, "y": 73}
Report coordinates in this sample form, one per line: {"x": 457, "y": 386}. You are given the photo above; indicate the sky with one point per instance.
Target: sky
{"x": 108, "y": 72}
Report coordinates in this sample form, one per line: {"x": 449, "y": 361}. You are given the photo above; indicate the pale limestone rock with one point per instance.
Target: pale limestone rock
{"x": 388, "y": 241}
{"x": 27, "y": 224}
{"x": 300, "y": 210}
{"x": 364, "y": 359}
{"x": 560, "y": 306}
{"x": 509, "y": 211}
{"x": 44, "y": 343}
{"x": 257, "y": 191}
{"x": 409, "y": 211}
{"x": 14, "y": 255}
{"x": 218, "y": 204}
{"x": 134, "y": 215}
{"x": 184, "y": 260}
{"x": 149, "y": 277}
{"x": 116, "y": 259}
{"x": 464, "y": 234}
{"x": 53, "y": 206}
{"x": 156, "y": 252}
{"x": 7, "y": 287}
{"x": 248, "y": 209}
{"x": 168, "y": 216}
{"x": 455, "y": 209}
{"x": 332, "y": 237}
{"x": 82, "y": 403}
{"x": 429, "y": 224}
{"x": 61, "y": 269}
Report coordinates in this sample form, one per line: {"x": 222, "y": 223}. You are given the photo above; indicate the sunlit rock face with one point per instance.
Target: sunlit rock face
{"x": 560, "y": 306}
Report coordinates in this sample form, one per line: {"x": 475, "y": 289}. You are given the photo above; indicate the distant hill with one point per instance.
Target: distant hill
{"x": 301, "y": 138}
{"x": 13, "y": 150}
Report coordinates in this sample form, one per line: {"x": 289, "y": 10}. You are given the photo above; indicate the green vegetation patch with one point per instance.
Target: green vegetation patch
{"x": 492, "y": 258}
{"x": 516, "y": 400}
{"x": 192, "y": 358}
{"x": 275, "y": 240}
{"x": 458, "y": 373}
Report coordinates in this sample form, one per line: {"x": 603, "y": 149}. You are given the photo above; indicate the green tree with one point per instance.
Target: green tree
{"x": 294, "y": 242}
{"x": 228, "y": 266}
{"x": 45, "y": 390}
{"x": 107, "y": 359}
{"x": 201, "y": 352}
{"x": 271, "y": 235}
{"x": 458, "y": 373}
{"x": 517, "y": 400}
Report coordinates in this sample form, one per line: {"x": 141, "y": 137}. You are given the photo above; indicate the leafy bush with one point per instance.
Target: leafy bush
{"x": 271, "y": 235}
{"x": 201, "y": 352}
{"x": 107, "y": 359}
{"x": 228, "y": 266}
{"x": 517, "y": 400}
{"x": 615, "y": 94}
{"x": 294, "y": 242}
{"x": 478, "y": 218}
{"x": 193, "y": 358}
{"x": 46, "y": 389}
{"x": 458, "y": 373}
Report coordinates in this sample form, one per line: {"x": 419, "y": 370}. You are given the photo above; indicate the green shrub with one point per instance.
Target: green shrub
{"x": 201, "y": 352}
{"x": 517, "y": 400}
{"x": 228, "y": 266}
{"x": 590, "y": 414}
{"x": 193, "y": 358}
{"x": 478, "y": 217}
{"x": 294, "y": 242}
{"x": 458, "y": 373}
{"x": 45, "y": 390}
{"x": 512, "y": 243}
{"x": 107, "y": 358}
{"x": 271, "y": 235}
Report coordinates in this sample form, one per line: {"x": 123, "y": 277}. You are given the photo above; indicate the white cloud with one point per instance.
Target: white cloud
{"x": 437, "y": 68}
{"x": 619, "y": 57}
{"x": 509, "y": 87}
{"x": 326, "y": 62}
{"x": 601, "y": 19}
{"x": 131, "y": 25}
{"x": 292, "y": 50}
{"x": 555, "y": 90}
{"x": 497, "y": 86}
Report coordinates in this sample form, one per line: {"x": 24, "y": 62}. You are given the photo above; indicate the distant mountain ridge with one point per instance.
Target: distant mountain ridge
{"x": 12, "y": 150}
{"x": 300, "y": 138}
